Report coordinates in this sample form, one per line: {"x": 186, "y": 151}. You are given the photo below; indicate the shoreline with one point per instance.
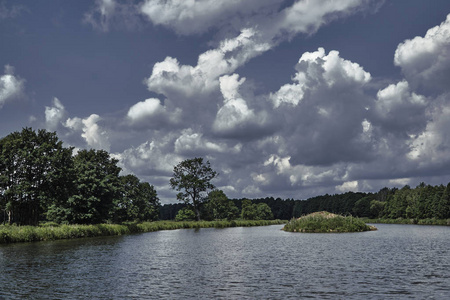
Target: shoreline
{"x": 436, "y": 222}
{"x": 20, "y": 234}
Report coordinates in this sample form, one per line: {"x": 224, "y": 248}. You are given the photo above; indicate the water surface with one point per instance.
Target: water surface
{"x": 395, "y": 262}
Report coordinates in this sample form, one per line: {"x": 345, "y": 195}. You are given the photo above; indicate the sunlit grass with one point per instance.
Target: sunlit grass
{"x": 53, "y": 231}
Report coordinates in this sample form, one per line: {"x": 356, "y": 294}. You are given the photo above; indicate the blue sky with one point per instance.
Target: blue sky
{"x": 288, "y": 99}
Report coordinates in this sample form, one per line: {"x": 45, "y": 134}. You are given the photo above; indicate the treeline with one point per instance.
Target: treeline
{"x": 40, "y": 180}
{"x": 422, "y": 202}
{"x": 217, "y": 206}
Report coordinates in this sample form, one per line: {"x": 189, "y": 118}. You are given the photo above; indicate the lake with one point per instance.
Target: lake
{"x": 395, "y": 262}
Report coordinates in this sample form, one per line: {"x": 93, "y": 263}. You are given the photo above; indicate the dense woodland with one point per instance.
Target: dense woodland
{"x": 40, "y": 180}
{"x": 422, "y": 202}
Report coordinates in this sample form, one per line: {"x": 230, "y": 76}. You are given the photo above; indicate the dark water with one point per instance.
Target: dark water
{"x": 395, "y": 262}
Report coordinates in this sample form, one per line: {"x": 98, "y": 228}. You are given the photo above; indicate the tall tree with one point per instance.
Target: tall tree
{"x": 193, "y": 177}
{"x": 96, "y": 188}
{"x": 219, "y": 207}
{"x": 138, "y": 202}
{"x": 35, "y": 171}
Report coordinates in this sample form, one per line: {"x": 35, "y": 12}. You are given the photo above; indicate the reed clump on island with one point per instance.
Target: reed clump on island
{"x": 323, "y": 222}
{"x": 52, "y": 231}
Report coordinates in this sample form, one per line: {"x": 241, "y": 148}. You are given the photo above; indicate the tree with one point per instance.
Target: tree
{"x": 138, "y": 201}
{"x": 376, "y": 208}
{"x": 362, "y": 207}
{"x": 96, "y": 188}
{"x": 220, "y": 207}
{"x": 185, "y": 214}
{"x": 35, "y": 172}
{"x": 248, "y": 211}
{"x": 193, "y": 177}
{"x": 443, "y": 204}
{"x": 260, "y": 211}
{"x": 263, "y": 212}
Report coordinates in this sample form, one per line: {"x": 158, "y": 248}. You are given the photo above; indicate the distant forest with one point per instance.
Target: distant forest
{"x": 422, "y": 202}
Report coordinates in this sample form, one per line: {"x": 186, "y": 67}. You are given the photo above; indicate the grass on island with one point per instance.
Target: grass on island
{"x": 53, "y": 231}
{"x": 322, "y": 222}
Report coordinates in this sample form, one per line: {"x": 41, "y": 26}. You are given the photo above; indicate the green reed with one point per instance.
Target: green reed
{"x": 53, "y": 231}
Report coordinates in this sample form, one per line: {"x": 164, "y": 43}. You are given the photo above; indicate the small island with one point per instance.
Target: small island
{"x": 323, "y": 222}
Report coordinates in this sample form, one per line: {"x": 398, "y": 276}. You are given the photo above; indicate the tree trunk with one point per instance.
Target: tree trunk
{"x": 197, "y": 212}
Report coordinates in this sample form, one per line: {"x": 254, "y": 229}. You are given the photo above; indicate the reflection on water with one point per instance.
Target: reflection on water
{"x": 395, "y": 262}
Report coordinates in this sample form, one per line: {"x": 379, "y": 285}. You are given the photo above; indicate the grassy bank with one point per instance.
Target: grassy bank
{"x": 47, "y": 232}
{"x": 430, "y": 221}
{"x": 322, "y": 222}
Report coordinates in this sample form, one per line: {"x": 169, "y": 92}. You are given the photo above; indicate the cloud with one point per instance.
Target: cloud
{"x": 151, "y": 158}
{"x": 11, "y": 86}
{"x": 316, "y": 69}
{"x": 309, "y": 16}
{"x": 430, "y": 150}
{"x": 399, "y": 110}
{"x": 172, "y": 79}
{"x": 107, "y": 13}
{"x": 10, "y": 12}
{"x": 191, "y": 143}
{"x": 425, "y": 61}
{"x": 324, "y": 109}
{"x": 348, "y": 186}
{"x": 197, "y": 17}
{"x": 151, "y": 113}
{"x": 93, "y": 134}
{"x": 184, "y": 85}
{"x": 54, "y": 115}
{"x": 235, "y": 118}
{"x": 326, "y": 131}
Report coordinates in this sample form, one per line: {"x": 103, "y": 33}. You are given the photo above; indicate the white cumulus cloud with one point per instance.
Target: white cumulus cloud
{"x": 425, "y": 61}
{"x": 11, "y": 86}
{"x": 235, "y": 117}
{"x": 54, "y": 115}
{"x": 93, "y": 134}
{"x": 152, "y": 113}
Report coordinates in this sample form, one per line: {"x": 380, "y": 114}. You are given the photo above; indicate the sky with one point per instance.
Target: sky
{"x": 289, "y": 99}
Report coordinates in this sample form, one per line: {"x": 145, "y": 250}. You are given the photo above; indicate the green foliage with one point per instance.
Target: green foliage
{"x": 14, "y": 234}
{"x": 96, "y": 187}
{"x": 443, "y": 204}
{"x": 185, "y": 214}
{"x": 253, "y": 211}
{"x": 193, "y": 177}
{"x": 376, "y": 208}
{"x": 325, "y": 222}
{"x": 219, "y": 207}
{"x": 138, "y": 201}
{"x": 35, "y": 171}
{"x": 362, "y": 207}
{"x": 338, "y": 204}
{"x": 41, "y": 180}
